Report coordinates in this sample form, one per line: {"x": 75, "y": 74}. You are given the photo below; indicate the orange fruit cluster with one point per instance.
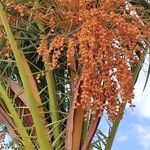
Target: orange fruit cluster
{"x": 107, "y": 34}
{"x": 51, "y": 52}
{"x": 103, "y": 37}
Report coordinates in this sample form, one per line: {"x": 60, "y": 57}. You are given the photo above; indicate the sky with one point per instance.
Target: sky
{"x": 134, "y": 130}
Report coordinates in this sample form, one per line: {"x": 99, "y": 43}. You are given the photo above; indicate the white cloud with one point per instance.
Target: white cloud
{"x": 142, "y": 100}
{"x": 142, "y": 133}
{"x": 122, "y": 138}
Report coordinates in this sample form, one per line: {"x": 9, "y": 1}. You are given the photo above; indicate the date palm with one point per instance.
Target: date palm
{"x": 57, "y": 69}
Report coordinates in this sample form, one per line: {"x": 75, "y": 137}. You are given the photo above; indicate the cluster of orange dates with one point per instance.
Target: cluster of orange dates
{"x": 106, "y": 36}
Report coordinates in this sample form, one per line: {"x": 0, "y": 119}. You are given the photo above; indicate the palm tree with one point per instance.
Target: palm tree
{"x": 61, "y": 69}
